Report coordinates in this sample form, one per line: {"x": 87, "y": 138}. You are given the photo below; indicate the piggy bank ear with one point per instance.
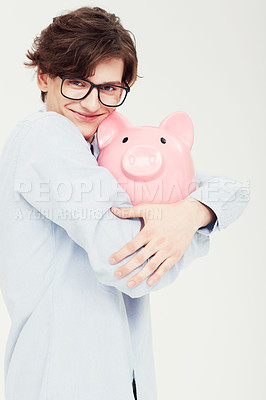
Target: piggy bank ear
{"x": 179, "y": 125}
{"x": 112, "y": 125}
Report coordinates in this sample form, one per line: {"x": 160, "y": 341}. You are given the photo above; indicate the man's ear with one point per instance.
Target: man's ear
{"x": 42, "y": 81}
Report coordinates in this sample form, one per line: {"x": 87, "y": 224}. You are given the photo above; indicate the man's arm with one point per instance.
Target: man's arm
{"x": 60, "y": 178}
{"x": 225, "y": 196}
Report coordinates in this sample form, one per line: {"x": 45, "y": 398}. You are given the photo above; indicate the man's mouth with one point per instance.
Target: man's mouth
{"x": 85, "y": 117}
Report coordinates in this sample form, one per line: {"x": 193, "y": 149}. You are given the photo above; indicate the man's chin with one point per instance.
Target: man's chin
{"x": 87, "y": 135}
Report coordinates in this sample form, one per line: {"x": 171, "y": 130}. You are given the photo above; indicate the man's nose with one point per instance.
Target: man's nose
{"x": 91, "y": 102}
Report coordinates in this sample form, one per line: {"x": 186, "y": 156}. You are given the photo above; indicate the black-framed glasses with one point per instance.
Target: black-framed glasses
{"x": 109, "y": 95}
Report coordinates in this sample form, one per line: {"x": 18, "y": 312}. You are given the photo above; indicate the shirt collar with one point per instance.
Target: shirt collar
{"x": 43, "y": 108}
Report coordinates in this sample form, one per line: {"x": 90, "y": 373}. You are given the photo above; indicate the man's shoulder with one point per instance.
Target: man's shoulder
{"x": 43, "y": 127}
{"x": 50, "y": 125}
{"x": 46, "y": 117}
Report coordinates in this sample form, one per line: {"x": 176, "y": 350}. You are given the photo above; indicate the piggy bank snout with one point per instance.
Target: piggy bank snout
{"x": 142, "y": 161}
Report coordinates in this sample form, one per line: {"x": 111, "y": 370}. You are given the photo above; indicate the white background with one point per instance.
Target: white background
{"x": 208, "y": 59}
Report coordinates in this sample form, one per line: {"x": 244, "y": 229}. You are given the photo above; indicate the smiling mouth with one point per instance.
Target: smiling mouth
{"x": 88, "y": 117}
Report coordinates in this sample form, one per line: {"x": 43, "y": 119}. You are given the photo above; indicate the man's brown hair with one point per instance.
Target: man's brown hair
{"x": 74, "y": 43}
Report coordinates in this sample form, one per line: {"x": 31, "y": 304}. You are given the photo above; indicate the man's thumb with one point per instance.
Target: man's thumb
{"x": 126, "y": 212}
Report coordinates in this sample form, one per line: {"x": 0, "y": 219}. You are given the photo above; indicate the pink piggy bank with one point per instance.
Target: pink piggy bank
{"x": 152, "y": 164}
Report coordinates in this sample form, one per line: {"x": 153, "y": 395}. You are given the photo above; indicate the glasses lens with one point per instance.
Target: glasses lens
{"x": 75, "y": 88}
{"x": 112, "y": 95}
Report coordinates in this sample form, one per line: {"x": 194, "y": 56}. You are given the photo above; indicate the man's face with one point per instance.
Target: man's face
{"x": 88, "y": 113}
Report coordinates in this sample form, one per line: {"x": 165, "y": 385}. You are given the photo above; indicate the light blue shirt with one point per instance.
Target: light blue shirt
{"x": 78, "y": 332}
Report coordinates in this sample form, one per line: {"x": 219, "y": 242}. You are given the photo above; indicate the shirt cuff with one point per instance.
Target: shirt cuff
{"x": 201, "y": 195}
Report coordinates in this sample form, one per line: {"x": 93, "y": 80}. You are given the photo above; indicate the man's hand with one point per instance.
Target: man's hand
{"x": 167, "y": 232}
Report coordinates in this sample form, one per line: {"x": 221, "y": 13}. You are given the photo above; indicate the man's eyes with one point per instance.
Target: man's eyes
{"x": 77, "y": 83}
{"x": 108, "y": 88}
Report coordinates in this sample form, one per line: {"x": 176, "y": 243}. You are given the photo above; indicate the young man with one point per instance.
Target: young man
{"x": 79, "y": 329}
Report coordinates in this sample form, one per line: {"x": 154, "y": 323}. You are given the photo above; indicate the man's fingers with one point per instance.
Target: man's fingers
{"x": 159, "y": 264}
{"x": 163, "y": 268}
{"x": 129, "y": 248}
{"x": 146, "y": 271}
{"x": 138, "y": 259}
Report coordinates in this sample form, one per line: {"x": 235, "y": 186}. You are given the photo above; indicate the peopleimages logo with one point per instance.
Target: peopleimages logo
{"x": 81, "y": 190}
{"x": 86, "y": 199}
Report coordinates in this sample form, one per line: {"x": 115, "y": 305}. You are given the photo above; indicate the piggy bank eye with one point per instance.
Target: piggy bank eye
{"x": 163, "y": 140}
{"x": 125, "y": 140}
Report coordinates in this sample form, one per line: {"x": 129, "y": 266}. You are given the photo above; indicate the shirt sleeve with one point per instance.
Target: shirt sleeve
{"x": 225, "y": 196}
{"x": 57, "y": 174}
